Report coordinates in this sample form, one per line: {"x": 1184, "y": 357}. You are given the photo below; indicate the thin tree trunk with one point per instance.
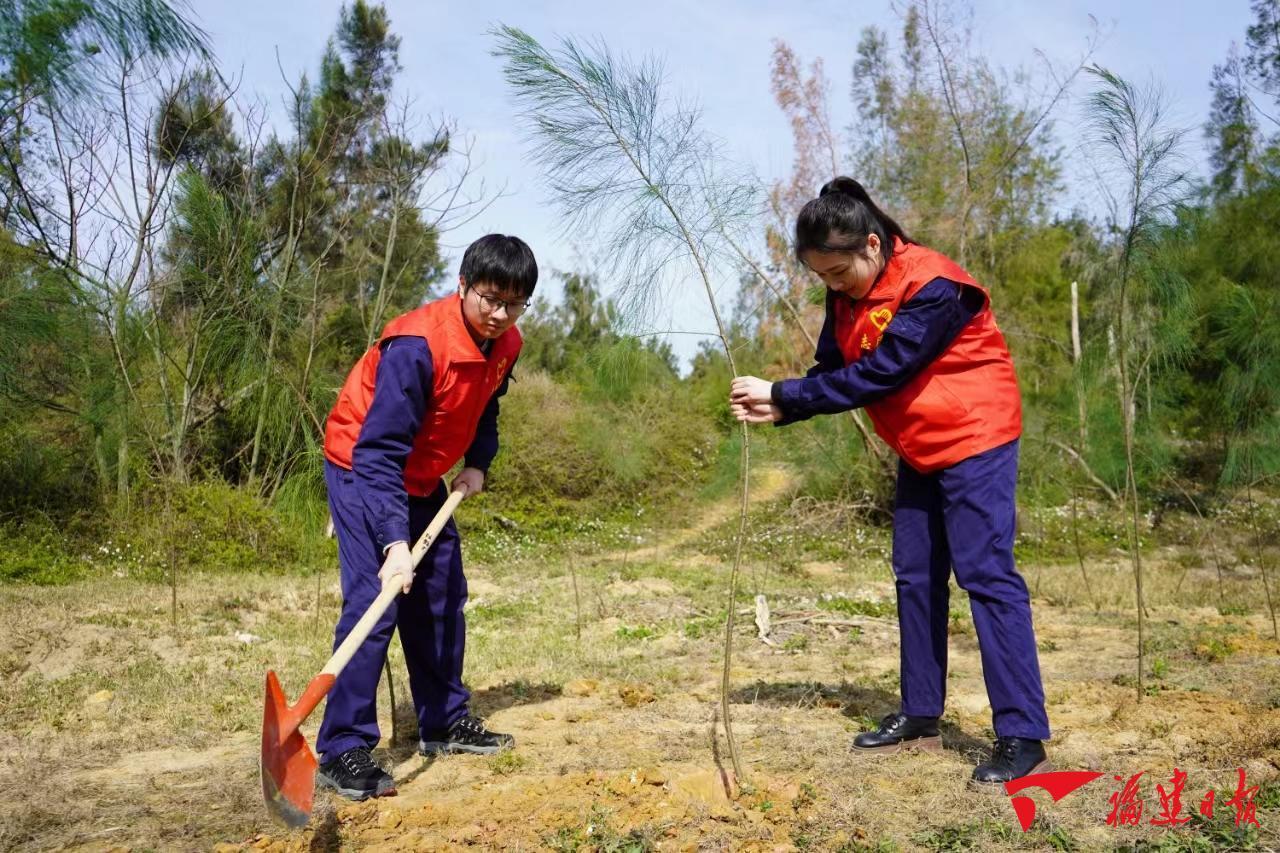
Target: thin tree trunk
{"x": 276, "y": 479}
{"x": 311, "y": 349}
{"x": 1082, "y": 414}
{"x": 1135, "y": 540}
{"x": 725, "y": 679}
{"x": 262, "y": 400}
{"x": 695, "y": 249}
{"x": 162, "y": 379}
{"x": 1078, "y": 368}
{"x": 391, "y": 689}
{"x": 104, "y": 471}
{"x": 1127, "y": 393}
{"x": 1075, "y": 532}
{"x": 746, "y": 480}
{"x": 1084, "y": 466}
{"x": 722, "y": 331}
{"x": 291, "y": 244}
{"x": 577, "y": 601}
{"x": 1257, "y": 542}
{"x": 182, "y": 428}
{"x": 380, "y": 299}
{"x": 173, "y": 553}
{"x": 122, "y": 464}
{"x": 315, "y": 622}
{"x": 1146, "y": 378}
{"x": 726, "y": 675}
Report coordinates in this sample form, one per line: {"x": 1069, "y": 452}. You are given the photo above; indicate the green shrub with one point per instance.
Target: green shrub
{"x": 213, "y": 526}
{"x": 570, "y": 453}
{"x": 38, "y": 551}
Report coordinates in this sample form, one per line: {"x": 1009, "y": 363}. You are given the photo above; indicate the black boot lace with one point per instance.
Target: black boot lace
{"x": 1004, "y": 751}
{"x": 357, "y": 761}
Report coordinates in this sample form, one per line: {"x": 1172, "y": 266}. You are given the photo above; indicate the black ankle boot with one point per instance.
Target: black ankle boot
{"x": 899, "y": 732}
{"x": 1011, "y": 758}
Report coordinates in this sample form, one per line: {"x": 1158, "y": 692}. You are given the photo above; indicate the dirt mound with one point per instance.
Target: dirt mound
{"x": 682, "y": 807}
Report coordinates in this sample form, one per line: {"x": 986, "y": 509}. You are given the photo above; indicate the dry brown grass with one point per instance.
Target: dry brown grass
{"x": 124, "y": 730}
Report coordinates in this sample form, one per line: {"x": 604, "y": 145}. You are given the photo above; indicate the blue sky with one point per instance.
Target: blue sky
{"x": 715, "y": 52}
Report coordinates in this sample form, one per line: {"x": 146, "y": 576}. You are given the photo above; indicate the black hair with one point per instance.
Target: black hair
{"x": 840, "y": 219}
{"x": 504, "y": 261}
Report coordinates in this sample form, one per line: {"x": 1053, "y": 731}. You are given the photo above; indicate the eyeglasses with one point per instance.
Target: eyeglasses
{"x": 492, "y": 303}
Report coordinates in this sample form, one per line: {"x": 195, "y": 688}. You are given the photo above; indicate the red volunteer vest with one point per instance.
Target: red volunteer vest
{"x": 965, "y": 401}
{"x": 463, "y": 380}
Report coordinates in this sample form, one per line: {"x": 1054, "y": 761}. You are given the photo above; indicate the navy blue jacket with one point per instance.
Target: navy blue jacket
{"x": 924, "y": 326}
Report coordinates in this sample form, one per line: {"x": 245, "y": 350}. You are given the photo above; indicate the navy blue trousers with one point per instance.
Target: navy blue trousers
{"x": 962, "y": 518}
{"x": 432, "y": 629}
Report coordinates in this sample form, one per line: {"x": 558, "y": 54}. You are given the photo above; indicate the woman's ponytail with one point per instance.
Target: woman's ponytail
{"x": 840, "y": 219}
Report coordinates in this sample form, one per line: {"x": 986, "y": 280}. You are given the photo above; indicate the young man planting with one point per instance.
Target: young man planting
{"x": 423, "y": 397}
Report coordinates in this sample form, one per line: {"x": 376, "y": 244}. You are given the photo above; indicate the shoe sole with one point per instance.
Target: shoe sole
{"x": 435, "y": 747}
{"x": 384, "y": 789}
{"x": 998, "y": 787}
{"x": 919, "y": 744}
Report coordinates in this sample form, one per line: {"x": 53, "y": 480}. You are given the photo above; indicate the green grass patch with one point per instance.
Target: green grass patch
{"x": 858, "y": 606}
{"x": 638, "y": 632}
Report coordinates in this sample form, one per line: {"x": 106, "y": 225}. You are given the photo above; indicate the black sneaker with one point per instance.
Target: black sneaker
{"x": 898, "y": 732}
{"x": 1011, "y": 758}
{"x": 355, "y": 775}
{"x": 465, "y": 735}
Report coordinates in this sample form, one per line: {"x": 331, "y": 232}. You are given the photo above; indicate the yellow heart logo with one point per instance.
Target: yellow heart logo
{"x": 881, "y": 317}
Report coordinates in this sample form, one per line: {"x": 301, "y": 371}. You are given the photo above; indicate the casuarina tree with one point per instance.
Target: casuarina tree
{"x": 628, "y": 166}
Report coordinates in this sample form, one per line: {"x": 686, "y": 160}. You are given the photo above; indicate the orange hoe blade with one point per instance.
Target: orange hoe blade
{"x": 288, "y": 764}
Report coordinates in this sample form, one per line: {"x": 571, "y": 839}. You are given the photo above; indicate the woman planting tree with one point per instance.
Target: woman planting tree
{"x": 910, "y": 336}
